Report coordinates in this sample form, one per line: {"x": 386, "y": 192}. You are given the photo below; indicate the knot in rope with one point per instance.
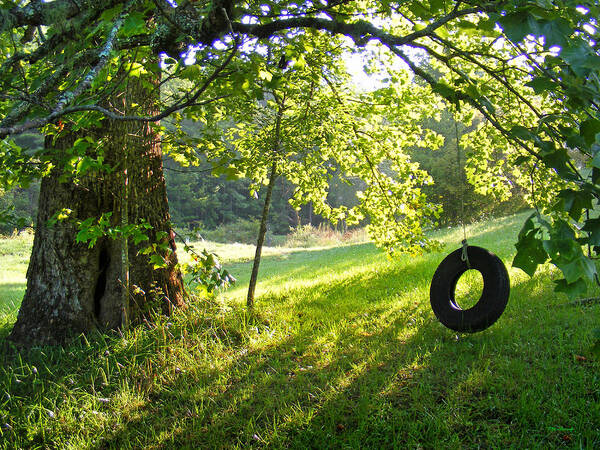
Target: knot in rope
{"x": 465, "y": 256}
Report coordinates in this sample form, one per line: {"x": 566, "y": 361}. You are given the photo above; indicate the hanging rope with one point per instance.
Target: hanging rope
{"x": 465, "y": 255}
{"x": 589, "y": 247}
{"x": 496, "y": 283}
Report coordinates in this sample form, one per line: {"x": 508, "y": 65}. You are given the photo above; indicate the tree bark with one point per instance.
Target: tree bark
{"x": 73, "y": 289}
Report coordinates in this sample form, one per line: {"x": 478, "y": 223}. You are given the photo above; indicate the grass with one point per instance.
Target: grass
{"x": 343, "y": 351}
{"x": 14, "y": 257}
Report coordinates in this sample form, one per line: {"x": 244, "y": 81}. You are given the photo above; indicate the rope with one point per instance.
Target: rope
{"x": 465, "y": 255}
{"x": 589, "y": 247}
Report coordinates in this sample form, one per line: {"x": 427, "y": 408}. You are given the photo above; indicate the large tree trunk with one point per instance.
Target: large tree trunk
{"x": 73, "y": 289}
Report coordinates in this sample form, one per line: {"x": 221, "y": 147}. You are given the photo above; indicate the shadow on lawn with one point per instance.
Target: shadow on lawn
{"x": 373, "y": 391}
{"x": 375, "y": 371}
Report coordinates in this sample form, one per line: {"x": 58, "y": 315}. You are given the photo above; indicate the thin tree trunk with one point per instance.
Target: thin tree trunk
{"x": 265, "y": 214}
{"x": 125, "y": 244}
{"x": 261, "y": 236}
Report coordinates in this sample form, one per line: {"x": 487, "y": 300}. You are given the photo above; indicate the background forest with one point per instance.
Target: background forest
{"x": 221, "y": 208}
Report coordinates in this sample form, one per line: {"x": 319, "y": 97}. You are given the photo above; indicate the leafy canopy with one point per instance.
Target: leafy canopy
{"x": 526, "y": 70}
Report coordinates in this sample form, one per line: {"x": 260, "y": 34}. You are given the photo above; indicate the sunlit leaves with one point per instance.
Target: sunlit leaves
{"x": 530, "y": 248}
{"x": 541, "y": 239}
{"x": 524, "y": 72}
{"x": 207, "y": 272}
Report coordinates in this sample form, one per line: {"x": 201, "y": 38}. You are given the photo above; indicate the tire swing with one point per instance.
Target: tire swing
{"x": 493, "y": 300}
{"x": 496, "y": 283}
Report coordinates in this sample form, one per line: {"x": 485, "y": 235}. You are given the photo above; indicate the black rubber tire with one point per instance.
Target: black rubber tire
{"x": 491, "y": 305}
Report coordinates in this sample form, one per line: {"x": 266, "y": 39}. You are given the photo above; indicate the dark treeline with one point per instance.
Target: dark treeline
{"x": 198, "y": 200}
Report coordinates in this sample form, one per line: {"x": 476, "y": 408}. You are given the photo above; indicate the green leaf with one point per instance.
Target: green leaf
{"x": 529, "y": 256}
{"x": 81, "y": 145}
{"x": 265, "y": 75}
{"x": 541, "y": 84}
{"x": 135, "y": 69}
{"x": 521, "y": 159}
{"x": 445, "y": 91}
{"x": 558, "y": 160}
{"x": 85, "y": 164}
{"x": 573, "y": 290}
{"x": 555, "y": 32}
{"x": 589, "y": 130}
{"x": 521, "y": 132}
{"x": 516, "y": 25}
{"x": 573, "y": 202}
{"x": 437, "y": 5}
{"x": 581, "y": 58}
{"x": 419, "y": 10}
{"x": 592, "y": 227}
{"x": 157, "y": 261}
{"x": 581, "y": 267}
{"x": 139, "y": 237}
{"x": 109, "y": 15}
{"x": 134, "y": 24}
{"x": 191, "y": 72}
{"x": 530, "y": 249}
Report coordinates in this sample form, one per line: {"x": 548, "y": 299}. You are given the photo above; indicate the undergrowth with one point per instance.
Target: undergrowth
{"x": 323, "y": 236}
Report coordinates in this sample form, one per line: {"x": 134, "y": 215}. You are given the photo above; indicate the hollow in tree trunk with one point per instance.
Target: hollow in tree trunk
{"x": 72, "y": 288}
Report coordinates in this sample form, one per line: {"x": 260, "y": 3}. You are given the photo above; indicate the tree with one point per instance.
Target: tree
{"x": 449, "y": 166}
{"x": 74, "y": 287}
{"x": 300, "y": 127}
{"x": 206, "y": 203}
{"x": 528, "y": 68}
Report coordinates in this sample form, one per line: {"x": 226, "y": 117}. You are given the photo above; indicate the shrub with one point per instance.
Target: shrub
{"x": 243, "y": 231}
{"x": 323, "y": 236}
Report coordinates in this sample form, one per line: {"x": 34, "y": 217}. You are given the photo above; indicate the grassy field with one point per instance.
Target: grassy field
{"x": 14, "y": 257}
{"x": 343, "y": 351}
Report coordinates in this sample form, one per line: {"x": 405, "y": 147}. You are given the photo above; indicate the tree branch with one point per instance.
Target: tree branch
{"x": 39, "y": 13}
{"x": 58, "y": 113}
{"x": 360, "y": 31}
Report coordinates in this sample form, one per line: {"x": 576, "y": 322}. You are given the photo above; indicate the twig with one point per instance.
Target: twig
{"x": 583, "y": 302}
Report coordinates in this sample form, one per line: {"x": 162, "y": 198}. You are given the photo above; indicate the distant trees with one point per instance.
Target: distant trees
{"x": 198, "y": 200}
{"x": 448, "y": 166}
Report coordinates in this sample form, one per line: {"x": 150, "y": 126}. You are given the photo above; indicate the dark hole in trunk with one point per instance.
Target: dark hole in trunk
{"x": 103, "y": 263}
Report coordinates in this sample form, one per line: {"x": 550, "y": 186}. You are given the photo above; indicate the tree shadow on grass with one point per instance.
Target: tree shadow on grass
{"x": 409, "y": 382}
{"x": 339, "y": 385}
{"x": 374, "y": 371}
{"x": 288, "y": 354}
{"x": 334, "y": 265}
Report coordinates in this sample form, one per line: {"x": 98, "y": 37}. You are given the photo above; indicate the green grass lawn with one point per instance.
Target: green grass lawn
{"x": 343, "y": 351}
{"x": 14, "y": 257}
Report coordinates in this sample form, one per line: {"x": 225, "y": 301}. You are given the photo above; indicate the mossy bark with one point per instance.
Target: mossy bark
{"x": 72, "y": 288}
